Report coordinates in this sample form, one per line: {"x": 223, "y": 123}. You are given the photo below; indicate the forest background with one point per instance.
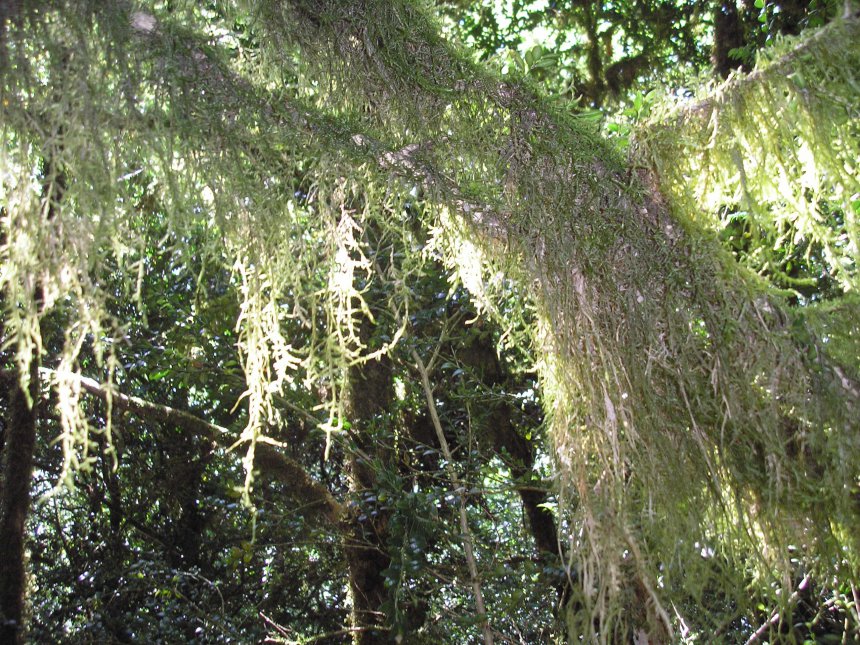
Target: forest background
{"x": 430, "y": 322}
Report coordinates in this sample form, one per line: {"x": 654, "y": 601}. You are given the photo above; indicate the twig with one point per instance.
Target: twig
{"x": 856, "y": 603}
{"x": 757, "y": 634}
{"x": 468, "y": 546}
{"x": 310, "y": 639}
{"x": 278, "y": 628}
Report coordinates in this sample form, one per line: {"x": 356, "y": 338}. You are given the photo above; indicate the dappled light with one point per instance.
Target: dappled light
{"x": 309, "y": 268}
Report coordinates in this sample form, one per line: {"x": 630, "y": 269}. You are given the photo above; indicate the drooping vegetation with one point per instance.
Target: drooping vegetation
{"x": 311, "y": 257}
{"x": 779, "y": 154}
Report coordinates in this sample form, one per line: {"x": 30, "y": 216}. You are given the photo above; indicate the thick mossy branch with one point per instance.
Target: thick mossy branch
{"x": 661, "y": 360}
{"x": 779, "y": 146}
{"x": 664, "y": 362}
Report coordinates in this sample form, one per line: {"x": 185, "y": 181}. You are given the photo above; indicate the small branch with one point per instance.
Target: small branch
{"x": 468, "y": 546}
{"x": 310, "y": 639}
{"x": 268, "y": 459}
{"x": 856, "y": 603}
{"x": 278, "y": 628}
{"x": 701, "y": 111}
{"x": 776, "y": 614}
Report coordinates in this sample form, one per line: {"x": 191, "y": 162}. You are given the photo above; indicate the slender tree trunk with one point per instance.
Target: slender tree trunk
{"x": 17, "y": 458}
{"x": 370, "y": 388}
{"x": 596, "y": 87}
{"x": 465, "y": 533}
{"x": 14, "y": 503}
{"x": 500, "y": 437}
{"x": 728, "y": 35}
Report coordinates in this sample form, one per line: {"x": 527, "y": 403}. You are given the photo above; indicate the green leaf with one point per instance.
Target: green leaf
{"x": 590, "y": 116}
{"x": 518, "y": 61}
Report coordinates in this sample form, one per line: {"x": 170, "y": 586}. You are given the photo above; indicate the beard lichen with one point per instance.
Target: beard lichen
{"x": 778, "y": 148}
{"x": 700, "y": 426}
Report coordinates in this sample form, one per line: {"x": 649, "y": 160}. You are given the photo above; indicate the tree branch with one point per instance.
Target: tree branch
{"x": 270, "y": 462}
{"x": 460, "y": 489}
{"x": 198, "y": 69}
{"x": 699, "y": 114}
{"x": 777, "y": 615}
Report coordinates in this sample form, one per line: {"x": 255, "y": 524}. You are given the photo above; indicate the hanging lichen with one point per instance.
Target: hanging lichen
{"x": 700, "y": 425}
{"x": 662, "y": 362}
{"x": 188, "y": 124}
{"x": 779, "y": 146}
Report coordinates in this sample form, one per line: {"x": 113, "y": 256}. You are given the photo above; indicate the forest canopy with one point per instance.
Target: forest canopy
{"x": 412, "y": 321}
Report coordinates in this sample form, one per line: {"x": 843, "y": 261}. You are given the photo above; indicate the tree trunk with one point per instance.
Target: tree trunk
{"x": 14, "y": 504}
{"x": 369, "y": 397}
{"x": 728, "y": 35}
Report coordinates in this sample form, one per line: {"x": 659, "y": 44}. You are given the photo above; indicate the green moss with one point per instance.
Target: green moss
{"x": 681, "y": 389}
{"x": 779, "y": 148}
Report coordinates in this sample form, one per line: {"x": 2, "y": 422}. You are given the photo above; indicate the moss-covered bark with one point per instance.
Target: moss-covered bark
{"x": 662, "y": 361}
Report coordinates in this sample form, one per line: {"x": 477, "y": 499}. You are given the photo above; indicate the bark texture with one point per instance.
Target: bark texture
{"x": 14, "y": 504}
{"x": 365, "y": 533}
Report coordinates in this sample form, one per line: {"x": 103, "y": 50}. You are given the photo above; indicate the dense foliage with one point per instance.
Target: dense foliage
{"x": 321, "y": 326}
